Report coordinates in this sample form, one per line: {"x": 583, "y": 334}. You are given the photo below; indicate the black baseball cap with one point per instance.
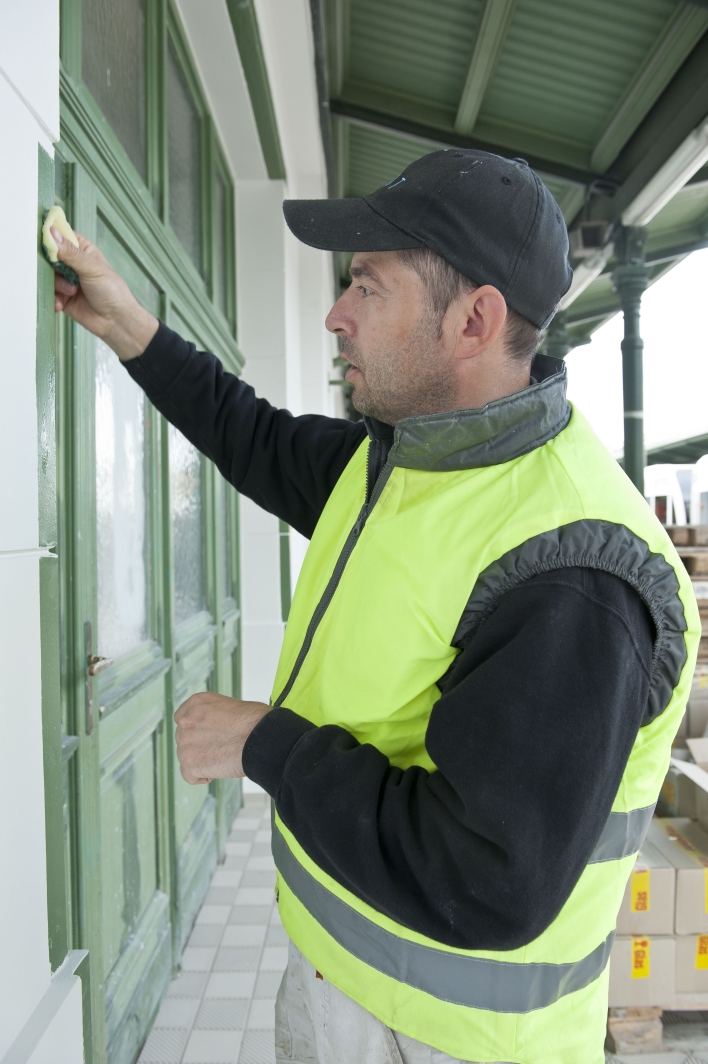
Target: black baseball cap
{"x": 491, "y": 218}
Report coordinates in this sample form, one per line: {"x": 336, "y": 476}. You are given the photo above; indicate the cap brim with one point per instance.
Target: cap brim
{"x": 344, "y": 225}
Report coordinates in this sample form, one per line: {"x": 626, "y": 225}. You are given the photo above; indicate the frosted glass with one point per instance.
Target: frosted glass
{"x": 184, "y": 153}
{"x": 187, "y": 534}
{"x": 113, "y": 69}
{"x": 226, "y": 542}
{"x": 220, "y": 265}
{"x": 121, "y": 510}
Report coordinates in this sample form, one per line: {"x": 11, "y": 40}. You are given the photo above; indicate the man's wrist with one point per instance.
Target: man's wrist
{"x": 132, "y": 332}
{"x": 268, "y": 747}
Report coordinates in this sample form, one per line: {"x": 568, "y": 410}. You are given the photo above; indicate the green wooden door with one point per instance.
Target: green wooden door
{"x": 148, "y": 537}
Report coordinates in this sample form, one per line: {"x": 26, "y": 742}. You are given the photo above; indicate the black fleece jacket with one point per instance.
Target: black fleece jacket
{"x": 530, "y": 736}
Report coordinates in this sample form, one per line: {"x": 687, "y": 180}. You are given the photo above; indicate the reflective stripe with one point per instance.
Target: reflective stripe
{"x": 478, "y": 983}
{"x": 622, "y": 834}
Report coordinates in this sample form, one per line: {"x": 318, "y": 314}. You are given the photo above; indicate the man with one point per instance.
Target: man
{"x": 489, "y": 649}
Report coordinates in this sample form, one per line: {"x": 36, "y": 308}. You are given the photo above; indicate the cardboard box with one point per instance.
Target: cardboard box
{"x": 648, "y": 904}
{"x": 685, "y": 845}
{"x": 642, "y": 971}
{"x": 678, "y": 796}
{"x": 692, "y": 964}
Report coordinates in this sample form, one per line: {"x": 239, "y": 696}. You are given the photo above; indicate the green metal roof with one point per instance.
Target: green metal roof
{"x": 596, "y": 97}
{"x": 680, "y": 452}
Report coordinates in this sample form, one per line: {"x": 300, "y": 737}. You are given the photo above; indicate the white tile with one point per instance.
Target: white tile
{"x": 238, "y": 849}
{"x": 226, "y": 877}
{"x": 243, "y": 935}
{"x": 275, "y": 916}
{"x": 247, "y": 822}
{"x": 197, "y": 959}
{"x": 263, "y": 836}
{"x": 213, "y": 914}
{"x": 254, "y": 896}
{"x": 262, "y": 1014}
{"x": 260, "y": 864}
{"x": 177, "y": 1012}
{"x": 275, "y": 959}
{"x": 213, "y": 1047}
{"x": 230, "y": 984}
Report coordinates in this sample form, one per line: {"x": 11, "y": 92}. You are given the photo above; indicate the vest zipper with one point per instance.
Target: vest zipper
{"x": 371, "y": 498}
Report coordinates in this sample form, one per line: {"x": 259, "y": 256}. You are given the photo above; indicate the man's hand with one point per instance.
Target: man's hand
{"x": 103, "y": 303}
{"x": 211, "y": 733}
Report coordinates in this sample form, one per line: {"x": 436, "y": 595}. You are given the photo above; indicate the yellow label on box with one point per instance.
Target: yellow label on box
{"x": 702, "y": 951}
{"x": 640, "y": 957}
{"x": 668, "y": 790}
{"x": 641, "y": 891}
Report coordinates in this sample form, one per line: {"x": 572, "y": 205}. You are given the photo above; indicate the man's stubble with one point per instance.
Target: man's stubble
{"x": 415, "y": 378}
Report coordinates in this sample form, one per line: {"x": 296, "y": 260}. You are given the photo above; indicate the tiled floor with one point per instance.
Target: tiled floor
{"x": 220, "y": 1008}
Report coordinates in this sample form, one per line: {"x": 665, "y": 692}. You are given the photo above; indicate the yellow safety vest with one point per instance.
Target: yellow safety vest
{"x": 470, "y": 504}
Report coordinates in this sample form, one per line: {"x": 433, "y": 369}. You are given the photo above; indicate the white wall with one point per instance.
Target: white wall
{"x": 29, "y": 116}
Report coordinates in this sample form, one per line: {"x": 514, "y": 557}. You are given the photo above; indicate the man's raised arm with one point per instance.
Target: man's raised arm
{"x": 288, "y": 465}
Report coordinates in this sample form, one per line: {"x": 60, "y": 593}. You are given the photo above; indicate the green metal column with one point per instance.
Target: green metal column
{"x": 557, "y": 342}
{"x": 630, "y": 279}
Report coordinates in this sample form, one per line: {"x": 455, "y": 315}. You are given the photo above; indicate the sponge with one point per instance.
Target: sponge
{"x": 55, "y": 217}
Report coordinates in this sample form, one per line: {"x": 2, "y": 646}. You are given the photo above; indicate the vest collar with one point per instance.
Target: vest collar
{"x": 498, "y": 432}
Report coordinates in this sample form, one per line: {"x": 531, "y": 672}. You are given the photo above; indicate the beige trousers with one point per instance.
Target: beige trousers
{"x": 315, "y": 1023}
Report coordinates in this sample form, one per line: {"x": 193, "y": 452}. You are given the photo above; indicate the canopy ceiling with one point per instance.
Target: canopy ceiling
{"x": 596, "y": 96}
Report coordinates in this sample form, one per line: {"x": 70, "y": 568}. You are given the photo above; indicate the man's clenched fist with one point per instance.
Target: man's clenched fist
{"x": 211, "y": 733}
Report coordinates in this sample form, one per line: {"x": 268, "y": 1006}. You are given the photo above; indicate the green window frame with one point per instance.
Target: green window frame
{"x": 163, "y": 31}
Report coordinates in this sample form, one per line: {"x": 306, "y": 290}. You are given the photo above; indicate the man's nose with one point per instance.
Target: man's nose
{"x": 338, "y": 321}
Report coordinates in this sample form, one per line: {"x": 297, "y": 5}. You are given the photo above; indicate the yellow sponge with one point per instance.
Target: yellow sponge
{"x": 55, "y": 217}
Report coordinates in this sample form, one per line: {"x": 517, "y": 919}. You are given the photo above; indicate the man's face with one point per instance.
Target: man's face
{"x": 400, "y": 367}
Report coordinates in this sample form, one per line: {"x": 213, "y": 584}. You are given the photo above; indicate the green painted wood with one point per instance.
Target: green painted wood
{"x": 248, "y": 40}
{"x": 489, "y": 41}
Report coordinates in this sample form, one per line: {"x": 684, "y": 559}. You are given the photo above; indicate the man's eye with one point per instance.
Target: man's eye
{"x": 366, "y": 291}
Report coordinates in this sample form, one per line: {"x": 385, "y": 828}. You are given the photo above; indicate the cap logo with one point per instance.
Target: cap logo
{"x": 396, "y": 181}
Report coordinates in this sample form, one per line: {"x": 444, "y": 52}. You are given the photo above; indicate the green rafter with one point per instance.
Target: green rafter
{"x": 491, "y": 35}
{"x": 681, "y": 35}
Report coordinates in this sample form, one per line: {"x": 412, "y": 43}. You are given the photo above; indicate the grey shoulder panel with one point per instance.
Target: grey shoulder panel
{"x": 601, "y": 545}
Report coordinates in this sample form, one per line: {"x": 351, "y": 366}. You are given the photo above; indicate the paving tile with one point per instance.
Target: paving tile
{"x": 267, "y": 984}
{"x": 261, "y": 1016}
{"x": 263, "y": 836}
{"x": 177, "y": 1013}
{"x": 213, "y": 1047}
{"x": 234, "y": 863}
{"x": 241, "y": 834}
{"x": 221, "y": 895}
{"x": 275, "y": 959}
{"x": 249, "y": 914}
{"x": 260, "y": 864}
{"x": 163, "y": 1047}
{"x": 230, "y": 984}
{"x": 187, "y": 985}
{"x": 237, "y": 849}
{"x": 222, "y": 1014}
{"x": 254, "y": 896}
{"x": 258, "y": 879}
{"x": 205, "y": 935}
{"x": 197, "y": 959}
{"x": 247, "y": 822}
{"x": 213, "y": 914}
{"x": 261, "y": 849}
{"x": 237, "y": 959}
{"x": 277, "y": 936}
{"x": 258, "y": 1047}
{"x": 275, "y": 916}
{"x": 225, "y": 877}
{"x": 244, "y": 935}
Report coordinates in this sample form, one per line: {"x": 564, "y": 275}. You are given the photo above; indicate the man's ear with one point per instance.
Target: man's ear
{"x": 481, "y": 317}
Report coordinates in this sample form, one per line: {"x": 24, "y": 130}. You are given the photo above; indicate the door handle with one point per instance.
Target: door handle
{"x": 96, "y": 664}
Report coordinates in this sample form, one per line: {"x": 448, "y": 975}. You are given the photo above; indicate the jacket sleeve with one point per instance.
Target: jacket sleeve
{"x": 530, "y": 740}
{"x": 288, "y": 465}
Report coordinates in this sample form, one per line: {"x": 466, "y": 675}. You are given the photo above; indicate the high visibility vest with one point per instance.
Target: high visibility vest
{"x": 469, "y": 505}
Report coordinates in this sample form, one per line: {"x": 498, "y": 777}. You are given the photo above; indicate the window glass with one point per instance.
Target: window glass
{"x": 113, "y": 69}
{"x": 184, "y": 151}
{"x": 221, "y": 276}
{"x": 188, "y": 539}
{"x": 121, "y": 510}
{"x": 227, "y": 549}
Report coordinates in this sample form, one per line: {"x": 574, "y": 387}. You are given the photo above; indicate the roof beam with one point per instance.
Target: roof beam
{"x": 685, "y": 28}
{"x": 491, "y": 35}
{"x": 442, "y": 138}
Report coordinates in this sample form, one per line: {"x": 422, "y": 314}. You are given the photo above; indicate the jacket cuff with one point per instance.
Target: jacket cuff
{"x": 269, "y": 746}
{"x": 162, "y": 361}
